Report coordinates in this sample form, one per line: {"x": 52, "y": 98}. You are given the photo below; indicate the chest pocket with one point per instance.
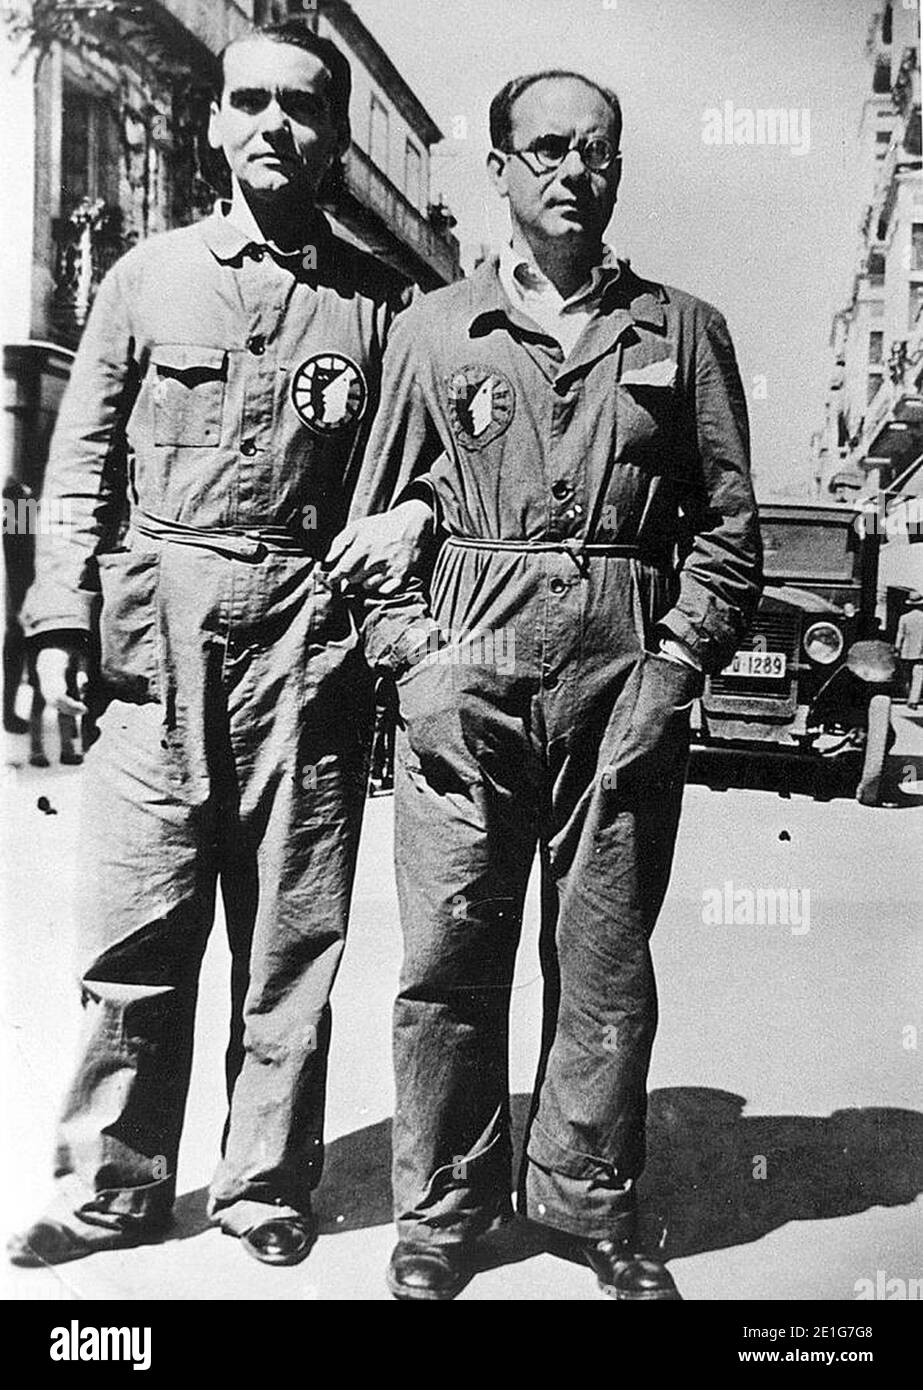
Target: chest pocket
{"x": 648, "y": 402}
{"x": 189, "y": 389}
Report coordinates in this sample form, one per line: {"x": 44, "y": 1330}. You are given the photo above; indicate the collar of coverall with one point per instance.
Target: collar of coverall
{"x": 522, "y": 270}
{"x": 227, "y": 240}
{"x": 624, "y": 297}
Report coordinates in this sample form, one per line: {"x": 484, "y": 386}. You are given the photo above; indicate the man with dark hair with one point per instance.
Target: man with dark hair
{"x": 221, "y": 396}
{"x": 295, "y": 34}
{"x": 584, "y": 433}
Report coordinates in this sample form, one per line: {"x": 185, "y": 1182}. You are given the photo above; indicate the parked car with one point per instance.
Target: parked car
{"x": 813, "y": 679}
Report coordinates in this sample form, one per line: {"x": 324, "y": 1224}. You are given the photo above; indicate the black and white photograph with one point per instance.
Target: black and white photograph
{"x": 462, "y": 779}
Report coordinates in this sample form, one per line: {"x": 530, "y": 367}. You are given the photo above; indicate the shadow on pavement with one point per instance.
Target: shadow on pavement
{"x": 190, "y": 1215}
{"x": 355, "y": 1190}
{"x": 701, "y": 1190}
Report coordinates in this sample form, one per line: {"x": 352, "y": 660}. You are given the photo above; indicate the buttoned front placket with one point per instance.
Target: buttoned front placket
{"x": 565, "y": 483}
{"x": 571, "y": 498}
{"x": 265, "y": 289}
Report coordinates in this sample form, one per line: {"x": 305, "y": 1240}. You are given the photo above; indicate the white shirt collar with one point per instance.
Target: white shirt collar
{"x": 520, "y": 270}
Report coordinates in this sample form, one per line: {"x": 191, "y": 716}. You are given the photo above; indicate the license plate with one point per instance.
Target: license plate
{"x": 760, "y": 665}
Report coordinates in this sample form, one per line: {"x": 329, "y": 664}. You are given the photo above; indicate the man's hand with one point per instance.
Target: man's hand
{"x": 377, "y": 553}
{"x": 62, "y": 679}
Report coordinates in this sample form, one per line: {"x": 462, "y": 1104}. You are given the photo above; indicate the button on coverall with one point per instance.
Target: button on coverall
{"x": 549, "y": 720}
{"x": 234, "y": 741}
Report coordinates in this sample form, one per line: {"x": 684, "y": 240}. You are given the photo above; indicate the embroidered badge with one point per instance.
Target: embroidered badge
{"x": 481, "y": 405}
{"x": 328, "y": 392}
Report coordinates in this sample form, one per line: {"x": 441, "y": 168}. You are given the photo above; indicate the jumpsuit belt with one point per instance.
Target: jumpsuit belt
{"x": 579, "y": 550}
{"x": 239, "y": 542}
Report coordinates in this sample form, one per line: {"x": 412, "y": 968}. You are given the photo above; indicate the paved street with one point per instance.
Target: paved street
{"x": 786, "y": 1131}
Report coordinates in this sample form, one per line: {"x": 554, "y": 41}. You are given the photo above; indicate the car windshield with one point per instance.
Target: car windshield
{"x": 809, "y": 549}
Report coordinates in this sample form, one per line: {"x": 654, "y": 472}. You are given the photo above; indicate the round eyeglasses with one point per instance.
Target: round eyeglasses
{"x": 550, "y": 152}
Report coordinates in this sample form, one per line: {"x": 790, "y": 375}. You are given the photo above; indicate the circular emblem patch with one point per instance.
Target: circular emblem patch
{"x": 328, "y": 392}
{"x": 481, "y": 405}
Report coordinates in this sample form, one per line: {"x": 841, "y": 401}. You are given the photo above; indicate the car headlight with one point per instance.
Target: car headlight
{"x": 823, "y": 643}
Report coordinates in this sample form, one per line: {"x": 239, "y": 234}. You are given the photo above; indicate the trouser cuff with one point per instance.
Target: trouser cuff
{"x": 117, "y": 1208}
{"x": 576, "y": 1193}
{"x": 458, "y": 1201}
{"x": 461, "y": 1232}
{"x": 241, "y": 1217}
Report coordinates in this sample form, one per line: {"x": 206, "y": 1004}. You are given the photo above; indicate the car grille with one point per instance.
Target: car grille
{"x": 773, "y": 632}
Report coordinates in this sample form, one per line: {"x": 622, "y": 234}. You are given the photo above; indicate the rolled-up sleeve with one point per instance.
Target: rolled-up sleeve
{"x": 85, "y": 481}
{"x": 721, "y": 574}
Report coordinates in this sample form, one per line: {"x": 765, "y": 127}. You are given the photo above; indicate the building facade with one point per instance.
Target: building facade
{"x": 103, "y": 112}
{"x": 386, "y": 206}
{"x": 871, "y": 439}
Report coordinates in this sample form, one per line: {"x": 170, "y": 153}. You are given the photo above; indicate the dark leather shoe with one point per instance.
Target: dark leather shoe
{"x": 50, "y": 1242}
{"x": 630, "y": 1278}
{"x": 434, "y": 1273}
{"x": 283, "y": 1240}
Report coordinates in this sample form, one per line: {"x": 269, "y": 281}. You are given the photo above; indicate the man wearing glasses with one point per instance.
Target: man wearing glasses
{"x": 583, "y": 433}
{"x": 219, "y": 405}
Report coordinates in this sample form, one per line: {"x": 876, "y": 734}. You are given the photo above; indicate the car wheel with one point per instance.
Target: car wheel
{"x": 868, "y": 792}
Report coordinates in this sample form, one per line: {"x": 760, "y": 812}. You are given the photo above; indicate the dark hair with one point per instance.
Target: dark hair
{"x": 501, "y": 108}
{"x": 297, "y": 34}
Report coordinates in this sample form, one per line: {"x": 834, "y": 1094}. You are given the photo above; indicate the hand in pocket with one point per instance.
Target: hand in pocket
{"x": 657, "y": 699}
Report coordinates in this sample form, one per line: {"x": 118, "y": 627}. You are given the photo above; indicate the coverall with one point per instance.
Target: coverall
{"x": 589, "y": 502}
{"x": 221, "y": 398}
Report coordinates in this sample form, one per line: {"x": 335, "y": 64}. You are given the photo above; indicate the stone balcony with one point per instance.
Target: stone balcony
{"x": 892, "y": 433}
{"x": 378, "y": 211}
{"x": 87, "y": 245}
